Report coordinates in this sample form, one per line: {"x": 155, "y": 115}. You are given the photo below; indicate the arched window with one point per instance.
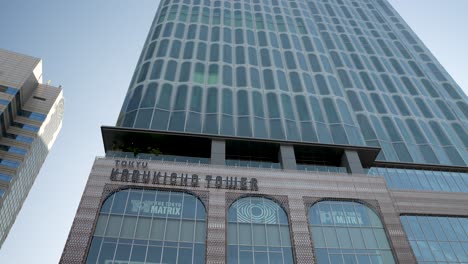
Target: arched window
{"x": 149, "y": 226}
{"x": 348, "y": 232}
{"x": 258, "y": 232}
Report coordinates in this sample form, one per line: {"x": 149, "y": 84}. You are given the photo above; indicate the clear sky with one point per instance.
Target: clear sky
{"x": 90, "y": 48}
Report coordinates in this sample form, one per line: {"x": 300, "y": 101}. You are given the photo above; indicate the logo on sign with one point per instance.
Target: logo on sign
{"x": 155, "y": 207}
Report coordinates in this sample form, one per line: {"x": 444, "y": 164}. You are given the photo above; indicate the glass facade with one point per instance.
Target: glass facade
{"x": 149, "y": 226}
{"x": 423, "y": 180}
{"x": 347, "y": 233}
{"x": 258, "y": 232}
{"x": 437, "y": 239}
{"x": 335, "y": 72}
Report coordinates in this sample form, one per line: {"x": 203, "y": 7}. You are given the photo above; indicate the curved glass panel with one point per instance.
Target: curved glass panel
{"x": 149, "y": 226}
{"x": 312, "y": 48}
{"x": 348, "y": 232}
{"x": 258, "y": 232}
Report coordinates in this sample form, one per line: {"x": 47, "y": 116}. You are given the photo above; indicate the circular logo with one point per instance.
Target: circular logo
{"x": 257, "y": 211}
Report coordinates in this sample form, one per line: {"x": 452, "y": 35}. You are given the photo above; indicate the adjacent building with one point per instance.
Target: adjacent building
{"x": 273, "y": 131}
{"x": 30, "y": 120}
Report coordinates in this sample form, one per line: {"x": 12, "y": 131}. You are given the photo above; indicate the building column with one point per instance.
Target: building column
{"x": 218, "y": 152}
{"x": 287, "y": 158}
{"x": 301, "y": 241}
{"x": 351, "y": 161}
{"x": 216, "y": 240}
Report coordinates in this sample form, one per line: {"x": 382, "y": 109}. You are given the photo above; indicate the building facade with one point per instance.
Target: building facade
{"x": 30, "y": 118}
{"x": 280, "y": 132}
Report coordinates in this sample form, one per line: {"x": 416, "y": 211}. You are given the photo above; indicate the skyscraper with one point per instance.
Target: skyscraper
{"x": 280, "y": 132}
{"x": 30, "y": 118}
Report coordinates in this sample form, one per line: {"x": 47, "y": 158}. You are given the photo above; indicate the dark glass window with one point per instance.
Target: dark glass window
{"x": 213, "y": 74}
{"x": 143, "y": 72}
{"x": 227, "y": 54}
{"x": 215, "y": 32}
{"x": 314, "y": 63}
{"x": 241, "y": 77}
{"x": 379, "y": 105}
{"x": 255, "y": 78}
{"x": 240, "y": 55}
{"x": 265, "y": 58}
{"x": 185, "y": 71}
{"x": 388, "y": 83}
{"x": 345, "y": 80}
{"x": 322, "y": 85}
{"x": 451, "y": 91}
{"x": 214, "y": 52}
{"x": 336, "y": 59}
{"x": 285, "y": 43}
{"x": 150, "y": 51}
{"x": 162, "y": 49}
{"x": 201, "y": 51}
{"x": 188, "y": 50}
{"x": 296, "y": 84}
{"x": 282, "y": 82}
{"x": 149, "y": 99}
{"x": 156, "y": 70}
{"x": 199, "y": 73}
{"x": 445, "y": 110}
{"x": 253, "y": 56}
{"x": 239, "y": 36}
{"x": 268, "y": 79}
{"x": 168, "y": 30}
{"x": 330, "y": 110}
{"x": 136, "y": 97}
{"x": 171, "y": 71}
{"x": 180, "y": 30}
{"x": 377, "y": 64}
{"x": 211, "y": 116}
{"x": 401, "y": 105}
{"x": 243, "y": 121}
{"x": 227, "y": 75}
{"x": 423, "y": 107}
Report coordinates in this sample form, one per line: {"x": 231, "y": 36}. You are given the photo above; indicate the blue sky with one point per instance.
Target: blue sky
{"x": 90, "y": 48}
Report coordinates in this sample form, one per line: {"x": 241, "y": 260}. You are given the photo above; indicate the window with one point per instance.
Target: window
{"x": 258, "y": 232}
{"x": 348, "y": 232}
{"x": 437, "y": 239}
{"x": 136, "y": 97}
{"x": 211, "y": 116}
{"x": 149, "y": 226}
{"x": 188, "y": 51}
{"x": 269, "y": 80}
{"x": 143, "y": 72}
{"x": 214, "y": 52}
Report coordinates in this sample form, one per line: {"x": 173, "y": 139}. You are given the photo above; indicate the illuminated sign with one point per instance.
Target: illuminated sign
{"x": 136, "y": 172}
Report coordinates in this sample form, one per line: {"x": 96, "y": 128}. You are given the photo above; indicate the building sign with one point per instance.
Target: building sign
{"x": 341, "y": 218}
{"x": 156, "y": 207}
{"x": 137, "y": 172}
{"x": 256, "y": 212}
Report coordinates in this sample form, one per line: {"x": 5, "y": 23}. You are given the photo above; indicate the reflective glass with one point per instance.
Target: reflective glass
{"x": 437, "y": 239}
{"x": 346, "y": 51}
{"x": 258, "y": 232}
{"x": 155, "y": 227}
{"x": 344, "y": 232}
